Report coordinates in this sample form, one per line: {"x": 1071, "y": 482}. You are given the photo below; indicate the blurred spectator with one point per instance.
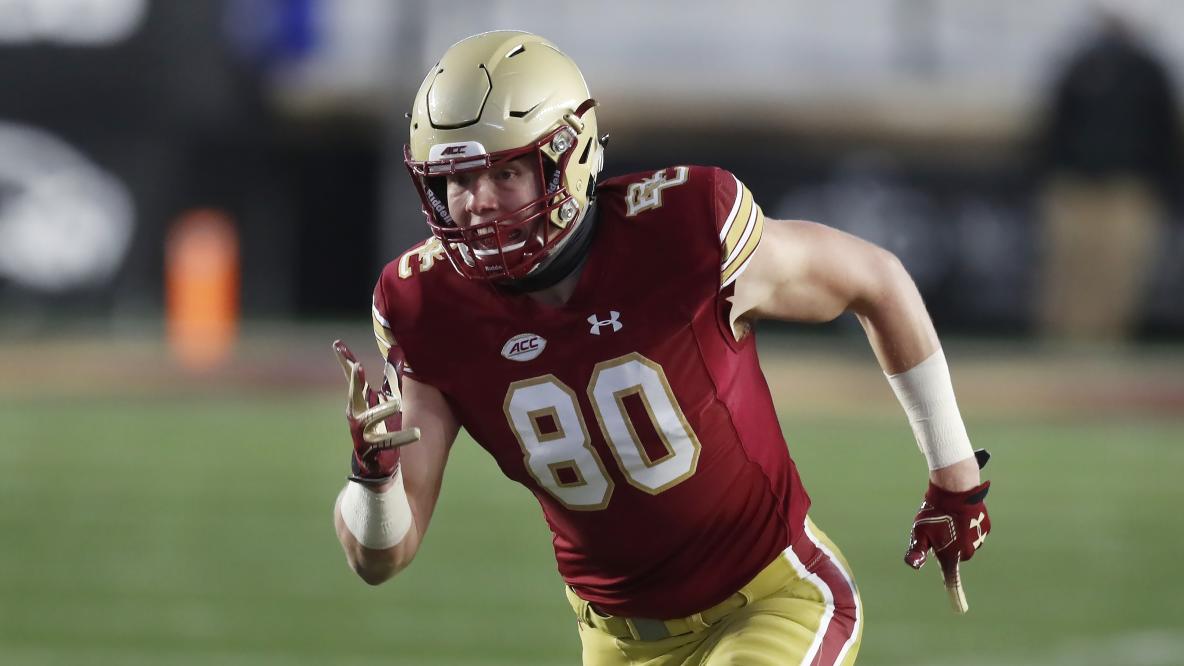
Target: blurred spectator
{"x": 1110, "y": 154}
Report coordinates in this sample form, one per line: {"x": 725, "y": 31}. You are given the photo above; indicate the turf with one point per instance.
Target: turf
{"x": 197, "y": 531}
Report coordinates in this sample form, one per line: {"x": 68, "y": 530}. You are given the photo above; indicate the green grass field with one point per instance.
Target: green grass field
{"x": 194, "y": 529}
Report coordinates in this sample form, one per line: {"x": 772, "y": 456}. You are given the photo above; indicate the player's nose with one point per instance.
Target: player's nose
{"x": 482, "y": 197}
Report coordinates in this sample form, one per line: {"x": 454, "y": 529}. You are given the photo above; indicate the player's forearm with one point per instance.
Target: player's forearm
{"x": 379, "y": 559}
{"x": 906, "y": 344}
{"x": 374, "y": 566}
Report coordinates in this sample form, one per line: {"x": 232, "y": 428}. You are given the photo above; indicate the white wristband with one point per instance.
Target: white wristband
{"x": 376, "y": 519}
{"x": 927, "y": 395}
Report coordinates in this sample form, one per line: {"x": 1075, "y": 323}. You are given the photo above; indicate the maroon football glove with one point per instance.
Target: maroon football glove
{"x": 375, "y": 423}
{"x": 954, "y": 525}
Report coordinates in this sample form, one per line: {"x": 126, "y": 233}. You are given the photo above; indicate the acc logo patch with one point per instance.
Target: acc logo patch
{"x": 524, "y": 347}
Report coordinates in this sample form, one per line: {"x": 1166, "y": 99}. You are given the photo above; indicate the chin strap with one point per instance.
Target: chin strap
{"x": 569, "y": 257}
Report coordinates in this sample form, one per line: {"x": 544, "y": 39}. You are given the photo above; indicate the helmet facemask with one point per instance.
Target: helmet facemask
{"x": 513, "y": 245}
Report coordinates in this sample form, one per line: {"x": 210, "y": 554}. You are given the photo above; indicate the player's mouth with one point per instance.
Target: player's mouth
{"x": 486, "y": 244}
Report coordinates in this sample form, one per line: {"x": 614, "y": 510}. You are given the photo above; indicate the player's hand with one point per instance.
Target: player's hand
{"x": 375, "y": 422}
{"x": 954, "y": 525}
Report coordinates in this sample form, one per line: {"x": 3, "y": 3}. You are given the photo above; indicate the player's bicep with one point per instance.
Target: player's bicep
{"x": 804, "y": 271}
{"x": 423, "y": 462}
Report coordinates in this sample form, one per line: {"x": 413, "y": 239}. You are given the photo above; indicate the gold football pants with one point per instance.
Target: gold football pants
{"x": 803, "y": 608}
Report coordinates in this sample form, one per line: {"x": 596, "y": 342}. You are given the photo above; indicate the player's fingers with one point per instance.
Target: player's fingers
{"x": 952, "y": 578}
{"x": 916, "y": 558}
{"x": 918, "y": 551}
{"x": 391, "y": 440}
{"x": 957, "y": 598}
{"x": 344, "y": 357}
{"x": 354, "y": 375}
{"x": 375, "y": 415}
{"x": 374, "y": 426}
{"x": 949, "y": 561}
{"x": 357, "y": 392}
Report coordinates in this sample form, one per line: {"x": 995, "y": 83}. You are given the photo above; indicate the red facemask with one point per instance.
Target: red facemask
{"x": 484, "y": 251}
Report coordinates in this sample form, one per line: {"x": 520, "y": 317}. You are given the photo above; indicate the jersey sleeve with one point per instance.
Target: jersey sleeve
{"x": 395, "y": 364}
{"x": 382, "y": 328}
{"x": 740, "y": 222}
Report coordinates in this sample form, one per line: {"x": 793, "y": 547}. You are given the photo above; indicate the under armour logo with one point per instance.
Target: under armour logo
{"x": 977, "y": 525}
{"x": 614, "y": 320}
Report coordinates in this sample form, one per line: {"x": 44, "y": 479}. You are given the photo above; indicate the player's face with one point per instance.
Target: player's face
{"x": 501, "y": 191}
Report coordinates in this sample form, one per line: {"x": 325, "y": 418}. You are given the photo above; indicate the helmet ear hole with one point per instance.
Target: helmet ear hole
{"x": 584, "y": 155}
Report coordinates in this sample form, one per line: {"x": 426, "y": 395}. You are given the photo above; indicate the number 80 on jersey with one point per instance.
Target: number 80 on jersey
{"x": 544, "y": 415}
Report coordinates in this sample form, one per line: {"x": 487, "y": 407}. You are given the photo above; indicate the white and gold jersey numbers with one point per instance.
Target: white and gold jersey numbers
{"x": 425, "y": 256}
{"x": 740, "y": 235}
{"x": 647, "y": 194}
{"x": 635, "y": 375}
{"x": 545, "y": 417}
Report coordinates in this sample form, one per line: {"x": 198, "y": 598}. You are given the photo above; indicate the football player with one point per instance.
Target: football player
{"x": 595, "y": 337}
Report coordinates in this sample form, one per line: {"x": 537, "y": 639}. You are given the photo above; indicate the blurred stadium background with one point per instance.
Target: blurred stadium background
{"x": 196, "y": 197}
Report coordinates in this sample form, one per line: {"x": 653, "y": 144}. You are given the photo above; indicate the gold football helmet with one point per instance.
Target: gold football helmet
{"x": 494, "y": 97}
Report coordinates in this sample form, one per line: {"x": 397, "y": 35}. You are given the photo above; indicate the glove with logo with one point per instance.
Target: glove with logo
{"x": 375, "y": 423}
{"x": 954, "y": 525}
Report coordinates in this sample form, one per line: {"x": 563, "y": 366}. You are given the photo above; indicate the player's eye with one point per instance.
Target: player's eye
{"x": 459, "y": 180}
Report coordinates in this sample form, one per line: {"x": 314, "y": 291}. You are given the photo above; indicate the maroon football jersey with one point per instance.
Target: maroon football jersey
{"x": 644, "y": 428}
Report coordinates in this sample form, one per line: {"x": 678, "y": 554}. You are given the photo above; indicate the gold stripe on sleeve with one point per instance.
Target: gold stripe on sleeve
{"x": 382, "y": 333}
{"x": 734, "y": 266}
{"x": 735, "y": 227}
{"x": 731, "y": 217}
